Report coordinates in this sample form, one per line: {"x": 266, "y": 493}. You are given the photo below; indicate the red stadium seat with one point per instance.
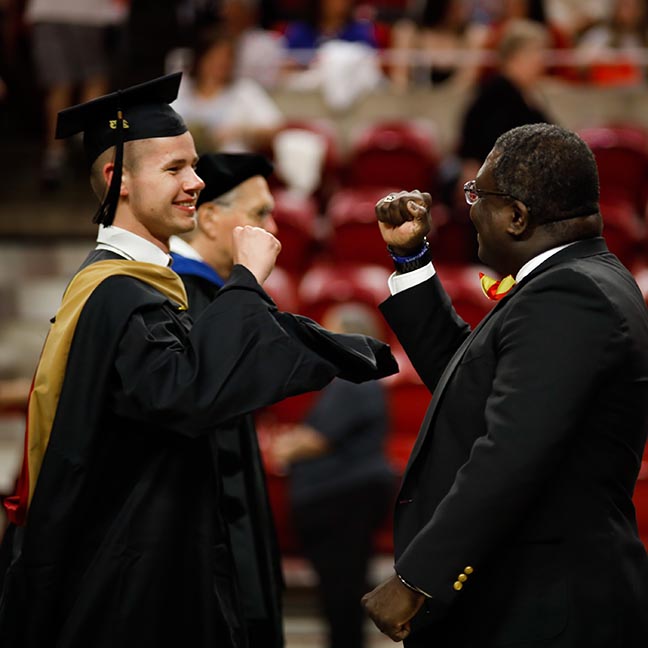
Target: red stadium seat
{"x": 621, "y": 153}
{"x": 624, "y": 230}
{"x": 640, "y": 499}
{"x": 408, "y": 399}
{"x": 454, "y": 239}
{"x": 640, "y": 272}
{"x": 354, "y": 231}
{"x": 282, "y": 286}
{"x": 325, "y": 285}
{"x": 296, "y": 218}
{"x": 631, "y": 131}
{"x": 463, "y": 286}
{"x": 402, "y": 154}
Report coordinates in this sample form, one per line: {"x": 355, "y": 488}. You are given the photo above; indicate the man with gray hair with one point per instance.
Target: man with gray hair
{"x": 236, "y": 194}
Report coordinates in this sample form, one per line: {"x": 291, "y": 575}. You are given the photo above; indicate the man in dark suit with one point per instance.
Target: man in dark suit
{"x": 514, "y": 525}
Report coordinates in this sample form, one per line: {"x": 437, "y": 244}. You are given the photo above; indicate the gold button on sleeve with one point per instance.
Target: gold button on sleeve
{"x": 457, "y": 585}
{"x": 468, "y": 570}
{"x": 462, "y": 578}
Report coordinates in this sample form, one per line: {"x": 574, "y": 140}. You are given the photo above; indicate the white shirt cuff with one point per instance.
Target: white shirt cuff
{"x": 399, "y": 282}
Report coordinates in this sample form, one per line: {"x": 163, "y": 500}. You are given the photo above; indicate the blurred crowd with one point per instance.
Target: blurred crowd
{"x": 236, "y": 53}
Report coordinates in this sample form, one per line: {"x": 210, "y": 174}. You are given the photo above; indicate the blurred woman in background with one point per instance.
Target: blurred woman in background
{"x": 624, "y": 33}
{"x": 326, "y": 20}
{"x": 440, "y": 29}
{"x": 223, "y": 112}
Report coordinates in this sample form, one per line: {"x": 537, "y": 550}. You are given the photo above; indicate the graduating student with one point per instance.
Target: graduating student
{"x": 514, "y": 525}
{"x": 117, "y": 535}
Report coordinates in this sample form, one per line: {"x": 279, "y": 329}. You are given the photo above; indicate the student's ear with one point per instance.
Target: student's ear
{"x": 108, "y": 170}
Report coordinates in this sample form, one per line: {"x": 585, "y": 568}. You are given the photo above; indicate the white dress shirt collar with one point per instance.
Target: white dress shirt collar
{"x": 536, "y": 261}
{"x": 130, "y": 246}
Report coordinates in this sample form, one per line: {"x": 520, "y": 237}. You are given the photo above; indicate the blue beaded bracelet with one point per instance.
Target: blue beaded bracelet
{"x": 412, "y": 262}
{"x": 408, "y": 259}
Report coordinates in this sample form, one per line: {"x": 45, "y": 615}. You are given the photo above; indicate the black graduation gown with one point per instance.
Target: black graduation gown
{"x": 124, "y": 545}
{"x": 246, "y": 507}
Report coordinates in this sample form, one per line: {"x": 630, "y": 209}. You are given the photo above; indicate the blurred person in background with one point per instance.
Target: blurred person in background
{"x": 440, "y": 27}
{"x": 503, "y": 101}
{"x": 518, "y": 10}
{"x": 574, "y": 17}
{"x": 259, "y": 51}
{"x": 69, "y": 41}
{"x": 224, "y": 112}
{"x": 341, "y": 486}
{"x": 624, "y": 33}
{"x": 483, "y": 12}
{"x": 236, "y": 194}
{"x": 530, "y": 10}
{"x": 324, "y": 21}
{"x": 153, "y": 30}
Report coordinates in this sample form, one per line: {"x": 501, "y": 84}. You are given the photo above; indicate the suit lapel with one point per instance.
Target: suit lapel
{"x": 445, "y": 378}
{"x": 580, "y": 249}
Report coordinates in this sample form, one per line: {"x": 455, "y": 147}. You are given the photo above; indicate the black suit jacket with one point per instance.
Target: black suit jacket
{"x": 524, "y": 468}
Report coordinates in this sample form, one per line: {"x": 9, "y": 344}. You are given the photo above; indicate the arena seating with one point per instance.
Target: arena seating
{"x": 624, "y": 230}
{"x": 461, "y": 282}
{"x": 282, "y": 286}
{"x": 296, "y": 218}
{"x": 399, "y": 153}
{"x": 354, "y": 233}
{"x": 621, "y": 153}
{"x": 641, "y": 499}
{"x": 326, "y": 284}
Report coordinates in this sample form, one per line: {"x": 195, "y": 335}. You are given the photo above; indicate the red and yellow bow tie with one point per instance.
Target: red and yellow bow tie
{"x": 496, "y": 289}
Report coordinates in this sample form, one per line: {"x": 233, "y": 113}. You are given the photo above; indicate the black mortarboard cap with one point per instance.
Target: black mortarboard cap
{"x": 221, "y": 172}
{"x": 136, "y": 113}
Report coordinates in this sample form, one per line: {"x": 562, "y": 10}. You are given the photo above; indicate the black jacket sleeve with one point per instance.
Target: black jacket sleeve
{"x": 241, "y": 354}
{"x": 427, "y": 326}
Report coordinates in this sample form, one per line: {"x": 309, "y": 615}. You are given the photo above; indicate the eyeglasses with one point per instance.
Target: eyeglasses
{"x": 473, "y": 194}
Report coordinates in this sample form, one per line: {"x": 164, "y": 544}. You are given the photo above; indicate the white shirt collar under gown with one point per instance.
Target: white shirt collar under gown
{"x": 130, "y": 246}
{"x": 180, "y": 246}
